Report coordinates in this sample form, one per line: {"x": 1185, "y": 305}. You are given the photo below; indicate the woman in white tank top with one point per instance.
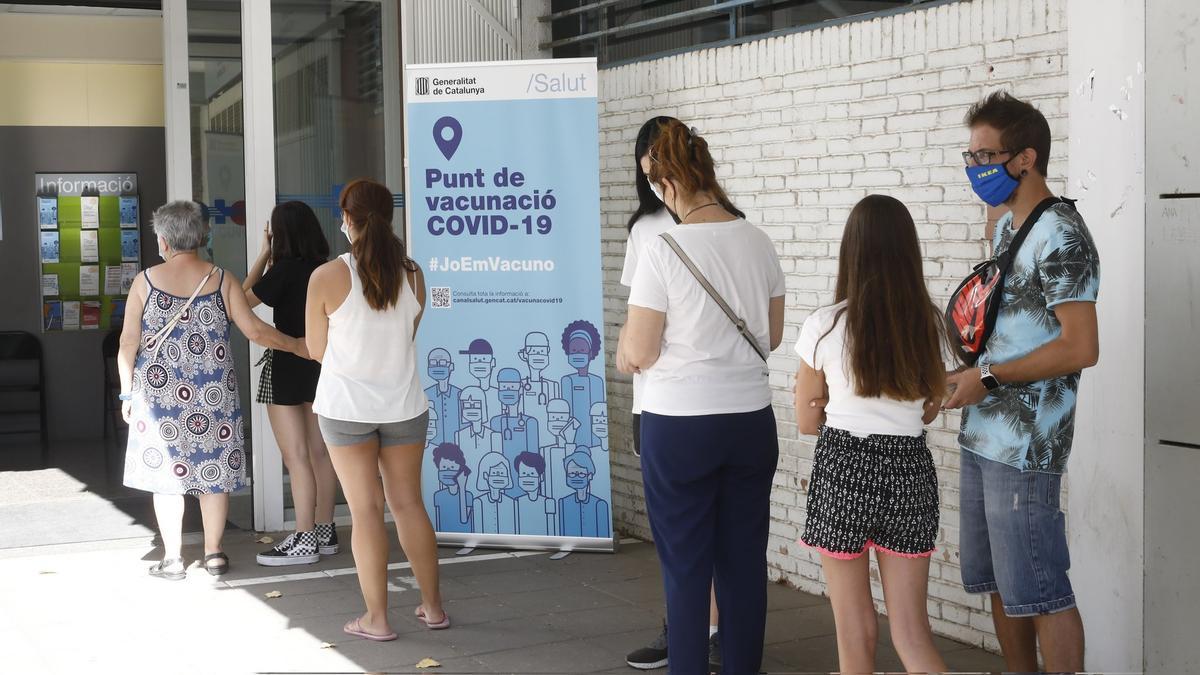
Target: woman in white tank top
{"x": 361, "y": 320}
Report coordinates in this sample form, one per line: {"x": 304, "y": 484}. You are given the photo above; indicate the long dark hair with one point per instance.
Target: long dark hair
{"x": 894, "y": 333}
{"x": 296, "y": 233}
{"x": 647, "y": 202}
{"x": 378, "y": 253}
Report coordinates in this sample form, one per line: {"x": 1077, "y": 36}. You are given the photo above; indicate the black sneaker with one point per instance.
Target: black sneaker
{"x": 714, "y": 653}
{"x": 300, "y": 548}
{"x": 651, "y": 656}
{"x": 327, "y": 542}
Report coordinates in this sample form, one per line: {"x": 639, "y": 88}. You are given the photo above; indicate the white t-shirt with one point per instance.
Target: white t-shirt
{"x": 646, "y": 228}
{"x": 847, "y": 410}
{"x": 705, "y": 366}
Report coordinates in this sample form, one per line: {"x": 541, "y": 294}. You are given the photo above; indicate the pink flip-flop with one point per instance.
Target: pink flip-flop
{"x": 355, "y": 628}
{"x": 441, "y": 625}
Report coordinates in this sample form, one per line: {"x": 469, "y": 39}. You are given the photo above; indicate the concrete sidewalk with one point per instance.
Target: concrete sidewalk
{"x": 92, "y": 608}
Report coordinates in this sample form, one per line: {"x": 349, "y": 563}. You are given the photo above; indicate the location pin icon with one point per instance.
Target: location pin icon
{"x": 447, "y": 126}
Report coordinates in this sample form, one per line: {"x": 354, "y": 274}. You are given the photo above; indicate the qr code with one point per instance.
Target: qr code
{"x": 441, "y": 297}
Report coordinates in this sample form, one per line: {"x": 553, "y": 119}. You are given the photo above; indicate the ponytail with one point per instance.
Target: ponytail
{"x": 681, "y": 155}
{"x": 379, "y": 254}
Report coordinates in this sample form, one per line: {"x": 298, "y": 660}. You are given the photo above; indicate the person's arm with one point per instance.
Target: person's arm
{"x": 321, "y": 286}
{"x": 255, "y": 329}
{"x": 258, "y": 268}
{"x": 1078, "y": 347}
{"x": 775, "y": 315}
{"x": 641, "y": 343}
{"x": 810, "y": 388}
{"x": 417, "y": 279}
{"x": 131, "y": 339}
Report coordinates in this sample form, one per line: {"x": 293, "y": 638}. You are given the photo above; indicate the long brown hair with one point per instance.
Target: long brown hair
{"x": 894, "y": 333}
{"x": 682, "y": 155}
{"x": 378, "y": 253}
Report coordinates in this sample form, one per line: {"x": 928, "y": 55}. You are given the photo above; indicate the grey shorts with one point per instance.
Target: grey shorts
{"x": 341, "y": 432}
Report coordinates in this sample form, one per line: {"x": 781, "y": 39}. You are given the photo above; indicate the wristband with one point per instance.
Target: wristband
{"x": 125, "y": 397}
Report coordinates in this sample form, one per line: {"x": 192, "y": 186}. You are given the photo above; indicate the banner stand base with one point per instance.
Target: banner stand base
{"x": 560, "y": 555}
{"x": 466, "y": 550}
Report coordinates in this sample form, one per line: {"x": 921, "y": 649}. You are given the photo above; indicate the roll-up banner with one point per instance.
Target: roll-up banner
{"x": 504, "y": 218}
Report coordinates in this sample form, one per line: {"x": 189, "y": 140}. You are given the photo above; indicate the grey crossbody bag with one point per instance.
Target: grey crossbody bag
{"x": 738, "y": 322}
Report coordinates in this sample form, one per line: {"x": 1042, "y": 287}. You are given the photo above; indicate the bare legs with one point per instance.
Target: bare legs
{"x": 359, "y": 467}
{"x": 905, "y": 585}
{"x": 307, "y": 459}
{"x": 1060, "y": 636}
{"x": 168, "y": 510}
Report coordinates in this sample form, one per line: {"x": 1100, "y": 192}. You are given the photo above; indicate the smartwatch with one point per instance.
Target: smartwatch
{"x": 985, "y": 375}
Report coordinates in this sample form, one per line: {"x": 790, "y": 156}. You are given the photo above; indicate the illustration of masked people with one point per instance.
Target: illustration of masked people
{"x": 495, "y": 511}
{"x": 512, "y": 431}
{"x": 480, "y": 364}
{"x": 443, "y": 396}
{"x": 599, "y": 419}
{"x": 536, "y": 390}
{"x": 536, "y": 514}
{"x": 453, "y": 504}
{"x": 559, "y": 446}
{"x": 581, "y": 389}
{"x": 475, "y": 437}
{"x": 431, "y": 429}
{"x": 582, "y": 513}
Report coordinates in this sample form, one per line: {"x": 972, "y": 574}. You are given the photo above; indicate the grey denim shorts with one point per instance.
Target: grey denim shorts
{"x": 341, "y": 432}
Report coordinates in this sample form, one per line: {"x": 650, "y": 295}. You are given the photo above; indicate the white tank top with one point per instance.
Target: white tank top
{"x": 369, "y": 372}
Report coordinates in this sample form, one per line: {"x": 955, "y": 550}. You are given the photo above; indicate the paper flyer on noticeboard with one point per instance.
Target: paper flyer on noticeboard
{"x": 50, "y": 247}
{"x": 70, "y": 313}
{"x": 49, "y": 285}
{"x": 48, "y": 213}
{"x": 89, "y": 315}
{"x": 52, "y": 316}
{"x": 129, "y": 212}
{"x": 89, "y": 246}
{"x": 129, "y": 245}
{"x": 129, "y": 272}
{"x": 112, "y": 280}
{"x": 89, "y": 212}
{"x": 89, "y": 280}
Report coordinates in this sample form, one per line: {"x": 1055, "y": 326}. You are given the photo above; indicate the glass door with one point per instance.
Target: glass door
{"x": 286, "y": 100}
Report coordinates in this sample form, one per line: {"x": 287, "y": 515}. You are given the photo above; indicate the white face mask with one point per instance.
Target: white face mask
{"x": 655, "y": 189}
{"x": 346, "y": 231}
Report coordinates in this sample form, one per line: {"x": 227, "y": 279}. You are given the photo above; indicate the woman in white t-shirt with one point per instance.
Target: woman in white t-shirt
{"x": 651, "y": 219}
{"x": 875, "y": 356}
{"x": 708, "y": 437}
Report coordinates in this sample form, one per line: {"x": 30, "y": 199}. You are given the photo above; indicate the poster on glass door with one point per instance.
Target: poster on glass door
{"x": 504, "y": 214}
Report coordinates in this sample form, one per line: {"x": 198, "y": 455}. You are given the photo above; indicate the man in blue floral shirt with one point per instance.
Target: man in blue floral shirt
{"x": 1019, "y": 402}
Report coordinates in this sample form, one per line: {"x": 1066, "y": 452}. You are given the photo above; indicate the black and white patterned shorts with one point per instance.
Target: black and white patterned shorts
{"x": 872, "y": 492}
{"x": 266, "y": 390}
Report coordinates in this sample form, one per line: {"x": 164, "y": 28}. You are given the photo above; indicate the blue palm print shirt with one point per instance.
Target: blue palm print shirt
{"x": 1030, "y": 425}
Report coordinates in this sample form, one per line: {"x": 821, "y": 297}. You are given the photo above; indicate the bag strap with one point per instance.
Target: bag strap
{"x": 738, "y": 322}
{"x": 163, "y": 332}
{"x": 1006, "y": 259}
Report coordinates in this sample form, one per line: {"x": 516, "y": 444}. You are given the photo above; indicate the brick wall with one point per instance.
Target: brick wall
{"x": 802, "y": 127}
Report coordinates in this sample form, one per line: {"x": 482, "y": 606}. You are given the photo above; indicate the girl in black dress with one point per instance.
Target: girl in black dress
{"x": 293, "y": 246}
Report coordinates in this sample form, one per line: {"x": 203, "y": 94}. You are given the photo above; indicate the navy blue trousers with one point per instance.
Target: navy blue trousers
{"x": 708, "y": 490}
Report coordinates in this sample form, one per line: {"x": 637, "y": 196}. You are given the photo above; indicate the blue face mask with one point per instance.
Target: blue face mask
{"x": 528, "y": 483}
{"x": 448, "y": 476}
{"x": 508, "y": 396}
{"x": 992, "y": 183}
{"x": 578, "y": 360}
{"x": 577, "y": 482}
{"x": 439, "y": 372}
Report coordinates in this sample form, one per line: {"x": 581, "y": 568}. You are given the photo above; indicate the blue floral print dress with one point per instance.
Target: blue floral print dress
{"x": 185, "y": 433}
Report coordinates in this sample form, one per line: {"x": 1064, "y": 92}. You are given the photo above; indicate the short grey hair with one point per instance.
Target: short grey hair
{"x": 181, "y": 224}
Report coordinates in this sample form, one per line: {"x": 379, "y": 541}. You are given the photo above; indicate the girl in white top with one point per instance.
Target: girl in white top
{"x": 708, "y": 435}
{"x": 876, "y": 357}
{"x": 361, "y": 320}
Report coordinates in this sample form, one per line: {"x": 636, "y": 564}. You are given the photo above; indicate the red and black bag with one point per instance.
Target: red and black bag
{"x": 974, "y": 305}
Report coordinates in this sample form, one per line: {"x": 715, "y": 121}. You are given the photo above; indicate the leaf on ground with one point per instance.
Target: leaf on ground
{"x": 428, "y": 663}
{"x": 273, "y": 594}
{"x": 328, "y": 645}
{"x": 265, "y": 540}
{"x": 47, "y": 572}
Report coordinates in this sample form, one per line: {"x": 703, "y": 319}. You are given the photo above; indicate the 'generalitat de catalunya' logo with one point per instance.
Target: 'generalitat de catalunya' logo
{"x": 422, "y": 86}
{"x": 447, "y": 133}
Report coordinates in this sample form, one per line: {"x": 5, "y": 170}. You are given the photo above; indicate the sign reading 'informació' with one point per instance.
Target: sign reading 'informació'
{"x": 504, "y": 216}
